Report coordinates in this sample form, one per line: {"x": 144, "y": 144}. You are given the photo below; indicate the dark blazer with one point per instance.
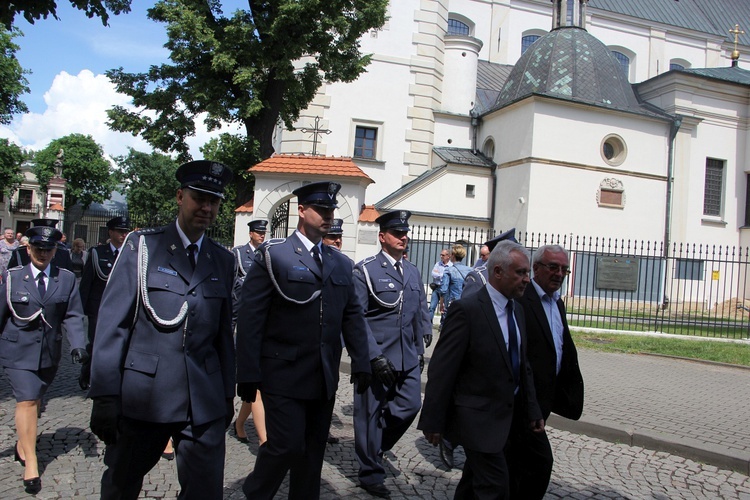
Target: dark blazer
{"x": 165, "y": 373}
{"x": 293, "y": 349}
{"x": 20, "y": 257}
{"x": 561, "y": 393}
{"x": 243, "y": 259}
{"x": 92, "y": 286}
{"x": 397, "y": 332}
{"x": 469, "y": 395}
{"x": 30, "y": 345}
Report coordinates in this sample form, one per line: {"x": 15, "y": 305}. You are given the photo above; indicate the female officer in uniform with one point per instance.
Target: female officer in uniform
{"x": 37, "y": 301}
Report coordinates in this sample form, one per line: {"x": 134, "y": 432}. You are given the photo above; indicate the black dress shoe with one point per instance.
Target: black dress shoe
{"x": 17, "y": 457}
{"x": 33, "y": 485}
{"x": 237, "y": 435}
{"x": 378, "y": 490}
{"x": 168, "y": 456}
{"x": 446, "y": 453}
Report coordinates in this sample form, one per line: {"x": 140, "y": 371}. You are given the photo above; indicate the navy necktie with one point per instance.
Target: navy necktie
{"x": 316, "y": 255}
{"x": 513, "y": 342}
{"x": 192, "y": 250}
{"x": 117, "y": 251}
{"x": 397, "y": 265}
{"x": 41, "y": 285}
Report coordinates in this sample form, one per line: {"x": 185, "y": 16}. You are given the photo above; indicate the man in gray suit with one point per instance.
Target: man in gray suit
{"x": 392, "y": 293}
{"x": 163, "y": 361}
{"x": 479, "y": 377}
{"x": 297, "y": 301}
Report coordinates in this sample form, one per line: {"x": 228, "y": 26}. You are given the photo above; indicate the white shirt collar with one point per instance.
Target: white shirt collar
{"x": 554, "y": 297}
{"x": 185, "y": 240}
{"x": 306, "y": 241}
{"x": 35, "y": 272}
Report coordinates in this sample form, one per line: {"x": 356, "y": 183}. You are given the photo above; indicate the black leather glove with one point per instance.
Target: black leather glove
{"x": 361, "y": 381}
{"x": 427, "y": 339}
{"x": 246, "y": 391}
{"x": 79, "y": 355}
{"x": 421, "y": 363}
{"x": 230, "y": 413}
{"x": 105, "y": 412}
{"x": 383, "y": 370}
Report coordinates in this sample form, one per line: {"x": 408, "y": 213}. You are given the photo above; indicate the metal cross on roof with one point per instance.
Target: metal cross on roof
{"x": 315, "y": 131}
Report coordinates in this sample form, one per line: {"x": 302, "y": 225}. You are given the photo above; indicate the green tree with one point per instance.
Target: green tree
{"x": 13, "y": 83}
{"x": 11, "y": 158}
{"x": 253, "y": 69}
{"x": 88, "y": 172}
{"x": 33, "y": 10}
{"x": 150, "y": 183}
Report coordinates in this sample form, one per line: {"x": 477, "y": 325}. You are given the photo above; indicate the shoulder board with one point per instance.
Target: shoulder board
{"x": 149, "y": 230}
{"x": 238, "y": 247}
{"x": 16, "y": 268}
{"x": 367, "y": 260}
{"x": 270, "y": 243}
{"x": 63, "y": 270}
{"x": 479, "y": 269}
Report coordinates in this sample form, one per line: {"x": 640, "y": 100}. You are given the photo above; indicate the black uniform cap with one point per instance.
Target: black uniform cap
{"x": 44, "y": 222}
{"x": 337, "y": 228}
{"x": 257, "y": 226}
{"x": 507, "y": 235}
{"x": 395, "y": 219}
{"x": 320, "y": 194}
{"x": 118, "y": 223}
{"x": 205, "y": 176}
{"x": 44, "y": 237}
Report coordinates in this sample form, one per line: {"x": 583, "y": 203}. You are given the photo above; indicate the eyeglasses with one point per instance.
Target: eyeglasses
{"x": 554, "y": 268}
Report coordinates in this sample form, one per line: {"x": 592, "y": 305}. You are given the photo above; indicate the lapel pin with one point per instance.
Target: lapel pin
{"x": 383, "y": 264}
{"x": 173, "y": 248}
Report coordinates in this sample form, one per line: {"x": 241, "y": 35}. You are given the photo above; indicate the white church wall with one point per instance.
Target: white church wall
{"x": 452, "y": 131}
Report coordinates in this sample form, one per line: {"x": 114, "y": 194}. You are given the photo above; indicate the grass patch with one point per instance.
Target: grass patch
{"x": 723, "y": 352}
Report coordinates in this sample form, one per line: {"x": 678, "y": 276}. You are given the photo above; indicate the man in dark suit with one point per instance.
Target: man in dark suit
{"x": 297, "y": 301}
{"x": 163, "y": 362}
{"x": 395, "y": 306}
{"x": 557, "y": 376}
{"x": 478, "y": 376}
{"x": 95, "y": 276}
{"x": 61, "y": 260}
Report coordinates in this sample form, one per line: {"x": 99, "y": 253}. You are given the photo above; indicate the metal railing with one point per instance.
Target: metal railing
{"x": 22, "y": 207}
{"x": 692, "y": 289}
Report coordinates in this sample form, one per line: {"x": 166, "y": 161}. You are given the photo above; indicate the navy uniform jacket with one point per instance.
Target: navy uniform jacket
{"x": 30, "y": 345}
{"x": 469, "y": 395}
{"x": 562, "y": 392}
{"x": 165, "y": 373}
{"x": 92, "y": 286}
{"x": 475, "y": 280}
{"x": 294, "y": 350}
{"x": 396, "y": 332}
{"x": 20, "y": 257}
{"x": 243, "y": 259}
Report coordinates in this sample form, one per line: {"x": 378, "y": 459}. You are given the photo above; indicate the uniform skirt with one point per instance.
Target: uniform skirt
{"x": 30, "y": 385}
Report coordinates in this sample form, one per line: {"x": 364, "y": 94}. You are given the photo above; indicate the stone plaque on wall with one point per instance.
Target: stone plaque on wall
{"x": 367, "y": 237}
{"x": 617, "y": 273}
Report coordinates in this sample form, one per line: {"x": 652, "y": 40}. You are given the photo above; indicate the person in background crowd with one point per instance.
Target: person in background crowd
{"x": 163, "y": 360}
{"x": 78, "y": 257}
{"x": 243, "y": 259}
{"x": 38, "y": 302}
{"x": 64, "y": 242}
{"x": 437, "y": 279}
{"x": 557, "y": 377}
{"x": 484, "y": 254}
{"x": 297, "y": 301}
{"x": 18, "y": 237}
{"x": 94, "y": 280}
{"x": 479, "y": 381}
{"x": 7, "y": 245}
{"x": 453, "y": 279}
{"x": 392, "y": 293}
{"x": 20, "y": 255}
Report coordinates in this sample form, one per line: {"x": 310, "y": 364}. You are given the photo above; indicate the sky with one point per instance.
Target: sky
{"x": 69, "y": 92}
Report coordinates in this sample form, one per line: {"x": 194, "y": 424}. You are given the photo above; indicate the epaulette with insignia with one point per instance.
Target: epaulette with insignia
{"x": 63, "y": 270}
{"x": 15, "y": 268}
{"x": 270, "y": 243}
{"x": 149, "y": 230}
{"x": 367, "y": 260}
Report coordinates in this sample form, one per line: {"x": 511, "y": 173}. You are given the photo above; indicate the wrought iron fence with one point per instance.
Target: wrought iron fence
{"x": 91, "y": 225}
{"x": 692, "y": 289}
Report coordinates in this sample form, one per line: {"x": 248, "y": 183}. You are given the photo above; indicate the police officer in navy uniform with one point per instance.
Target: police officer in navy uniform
{"x": 20, "y": 256}
{"x": 95, "y": 276}
{"x": 37, "y": 301}
{"x": 477, "y": 278}
{"x": 395, "y": 306}
{"x": 163, "y": 361}
{"x": 335, "y": 235}
{"x": 297, "y": 301}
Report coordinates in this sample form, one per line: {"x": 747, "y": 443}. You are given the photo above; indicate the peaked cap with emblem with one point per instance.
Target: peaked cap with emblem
{"x": 205, "y": 176}
{"x": 507, "y": 235}
{"x": 257, "y": 226}
{"x": 337, "y": 227}
{"x": 320, "y": 194}
{"x": 44, "y": 237}
{"x": 44, "y": 222}
{"x": 395, "y": 219}
{"x": 118, "y": 223}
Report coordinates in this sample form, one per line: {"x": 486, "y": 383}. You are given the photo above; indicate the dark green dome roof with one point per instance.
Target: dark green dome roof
{"x": 569, "y": 63}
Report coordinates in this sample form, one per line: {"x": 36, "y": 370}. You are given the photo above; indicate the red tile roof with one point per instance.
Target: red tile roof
{"x": 368, "y": 214}
{"x": 310, "y": 165}
{"x": 247, "y": 207}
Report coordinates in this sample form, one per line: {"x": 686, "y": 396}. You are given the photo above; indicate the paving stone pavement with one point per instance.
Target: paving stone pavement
{"x": 586, "y": 467}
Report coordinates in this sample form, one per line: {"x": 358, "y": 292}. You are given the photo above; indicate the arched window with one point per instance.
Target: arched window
{"x": 527, "y": 41}
{"x": 456, "y": 27}
{"x": 678, "y": 64}
{"x": 624, "y": 61}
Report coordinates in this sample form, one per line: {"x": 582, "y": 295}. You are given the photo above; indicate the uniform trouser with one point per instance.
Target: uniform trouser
{"x": 199, "y": 452}
{"x": 485, "y": 477}
{"x": 297, "y": 432}
{"x": 86, "y": 367}
{"x": 381, "y": 417}
{"x": 529, "y": 457}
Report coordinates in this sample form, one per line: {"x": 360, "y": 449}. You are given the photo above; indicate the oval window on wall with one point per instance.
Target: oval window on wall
{"x": 613, "y": 150}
